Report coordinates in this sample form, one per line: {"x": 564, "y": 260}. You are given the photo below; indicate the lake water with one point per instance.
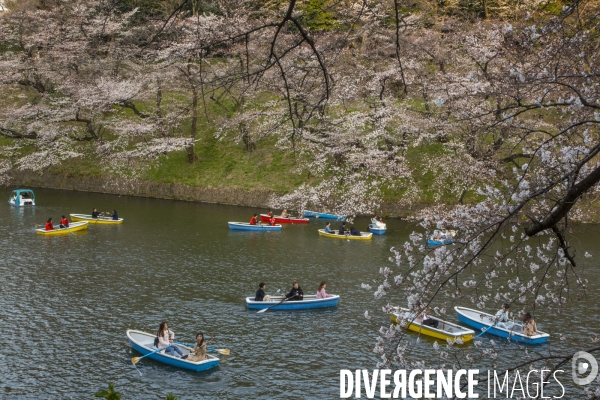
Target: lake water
{"x": 66, "y": 301}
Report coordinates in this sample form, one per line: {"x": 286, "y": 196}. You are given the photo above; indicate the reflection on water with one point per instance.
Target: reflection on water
{"x": 67, "y": 301}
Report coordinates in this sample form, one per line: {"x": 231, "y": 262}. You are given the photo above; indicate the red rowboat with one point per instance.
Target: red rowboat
{"x": 280, "y": 220}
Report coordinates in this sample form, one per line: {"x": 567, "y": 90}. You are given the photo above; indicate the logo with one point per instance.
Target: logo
{"x": 580, "y": 367}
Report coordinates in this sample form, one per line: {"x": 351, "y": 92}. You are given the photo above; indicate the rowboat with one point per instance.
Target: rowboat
{"x": 99, "y": 220}
{"x": 487, "y": 323}
{"x": 377, "y": 230}
{"x": 284, "y": 220}
{"x": 335, "y": 235}
{"x": 73, "y": 227}
{"x": 310, "y": 301}
{"x": 22, "y": 197}
{"x": 445, "y": 330}
{"x": 144, "y": 343}
{"x": 441, "y": 238}
{"x": 245, "y": 226}
{"x": 314, "y": 214}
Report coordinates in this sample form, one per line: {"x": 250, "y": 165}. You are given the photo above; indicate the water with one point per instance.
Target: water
{"x": 67, "y": 301}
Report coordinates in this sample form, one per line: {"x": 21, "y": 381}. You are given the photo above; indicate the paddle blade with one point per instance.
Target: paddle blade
{"x": 262, "y": 311}
{"x": 134, "y": 360}
{"x": 225, "y": 352}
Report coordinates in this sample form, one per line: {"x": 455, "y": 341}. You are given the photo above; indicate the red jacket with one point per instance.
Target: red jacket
{"x": 49, "y": 226}
{"x": 64, "y": 221}
{"x": 272, "y": 221}
{"x": 253, "y": 220}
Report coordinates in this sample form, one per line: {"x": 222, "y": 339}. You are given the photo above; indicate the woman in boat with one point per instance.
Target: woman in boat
{"x": 529, "y": 326}
{"x": 285, "y": 214}
{"x": 260, "y": 293}
{"x": 115, "y": 216}
{"x": 272, "y": 221}
{"x": 296, "y": 293}
{"x": 354, "y": 231}
{"x": 199, "y": 351}
{"x": 64, "y": 222}
{"x": 374, "y": 221}
{"x": 342, "y": 230}
{"x": 49, "y": 224}
{"x": 165, "y": 339}
{"x": 502, "y": 315}
{"x": 321, "y": 291}
{"x": 95, "y": 213}
{"x": 380, "y": 223}
{"x": 270, "y": 214}
{"x": 253, "y": 220}
{"x": 328, "y": 228}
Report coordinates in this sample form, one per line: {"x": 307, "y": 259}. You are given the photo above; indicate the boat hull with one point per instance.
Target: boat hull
{"x": 444, "y": 331}
{"x": 377, "y": 231}
{"x": 363, "y": 235}
{"x": 143, "y": 343}
{"x": 309, "y": 302}
{"x": 245, "y": 226}
{"x": 73, "y": 227}
{"x": 483, "y": 321}
{"x": 99, "y": 220}
{"x": 313, "y": 214}
{"x": 434, "y": 243}
{"x": 282, "y": 220}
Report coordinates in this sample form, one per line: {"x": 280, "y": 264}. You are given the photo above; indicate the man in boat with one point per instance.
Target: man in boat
{"x": 354, "y": 231}
{"x": 114, "y": 215}
{"x": 296, "y": 293}
{"x": 374, "y": 221}
{"x": 285, "y": 214}
{"x": 64, "y": 222}
{"x": 502, "y": 317}
{"x": 272, "y": 221}
{"x": 49, "y": 224}
{"x": 253, "y": 220}
{"x": 95, "y": 213}
{"x": 260, "y": 293}
{"x": 426, "y": 320}
{"x": 328, "y": 228}
{"x": 270, "y": 213}
{"x": 342, "y": 230}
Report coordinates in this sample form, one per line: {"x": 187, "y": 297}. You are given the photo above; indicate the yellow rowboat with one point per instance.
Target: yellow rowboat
{"x": 444, "y": 331}
{"x": 335, "y": 235}
{"x": 99, "y": 220}
{"x": 73, "y": 227}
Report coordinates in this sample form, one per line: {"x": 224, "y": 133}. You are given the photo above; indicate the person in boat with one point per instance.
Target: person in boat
{"x": 426, "y": 320}
{"x": 260, "y": 293}
{"x": 114, "y": 215}
{"x": 272, "y": 221}
{"x": 253, "y": 220}
{"x": 270, "y": 214}
{"x": 529, "y": 326}
{"x": 199, "y": 351}
{"x": 374, "y": 221}
{"x": 95, "y": 213}
{"x": 285, "y": 214}
{"x": 502, "y": 317}
{"x": 64, "y": 222}
{"x": 321, "y": 291}
{"x": 380, "y": 223}
{"x": 342, "y": 230}
{"x": 328, "y": 228}
{"x": 296, "y": 293}
{"x": 49, "y": 224}
{"x": 165, "y": 338}
{"x": 354, "y": 231}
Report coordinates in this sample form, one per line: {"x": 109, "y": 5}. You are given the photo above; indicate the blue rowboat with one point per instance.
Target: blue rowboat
{"x": 310, "y": 301}
{"x": 314, "y": 214}
{"x": 376, "y": 230}
{"x": 22, "y": 197}
{"x": 245, "y": 226}
{"x": 488, "y": 324}
{"x": 144, "y": 343}
{"x": 441, "y": 238}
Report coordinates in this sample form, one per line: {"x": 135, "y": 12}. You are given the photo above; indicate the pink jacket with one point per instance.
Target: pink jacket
{"x": 322, "y": 295}
{"x": 163, "y": 340}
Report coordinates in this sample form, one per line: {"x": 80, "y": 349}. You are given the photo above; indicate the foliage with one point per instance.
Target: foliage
{"x": 109, "y": 394}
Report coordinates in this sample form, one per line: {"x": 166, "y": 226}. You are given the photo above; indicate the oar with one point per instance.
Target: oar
{"x": 225, "y": 352}
{"x": 134, "y": 360}
{"x": 484, "y": 330}
{"x": 265, "y": 309}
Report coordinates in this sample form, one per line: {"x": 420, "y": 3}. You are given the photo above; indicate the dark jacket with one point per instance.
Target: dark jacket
{"x": 354, "y": 232}
{"x": 95, "y": 214}
{"x": 115, "y": 216}
{"x": 342, "y": 231}
{"x": 295, "y": 294}
{"x": 260, "y": 295}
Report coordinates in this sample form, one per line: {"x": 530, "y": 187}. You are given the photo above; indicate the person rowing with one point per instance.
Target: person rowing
{"x": 342, "y": 230}
{"x": 296, "y": 293}
{"x": 49, "y": 224}
{"x": 502, "y": 317}
{"x": 114, "y": 215}
{"x": 253, "y": 220}
{"x": 272, "y": 221}
{"x": 64, "y": 222}
{"x": 198, "y": 353}
{"x": 285, "y": 214}
{"x": 95, "y": 213}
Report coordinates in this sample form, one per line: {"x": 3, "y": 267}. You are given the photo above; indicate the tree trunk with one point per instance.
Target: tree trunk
{"x": 190, "y": 149}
